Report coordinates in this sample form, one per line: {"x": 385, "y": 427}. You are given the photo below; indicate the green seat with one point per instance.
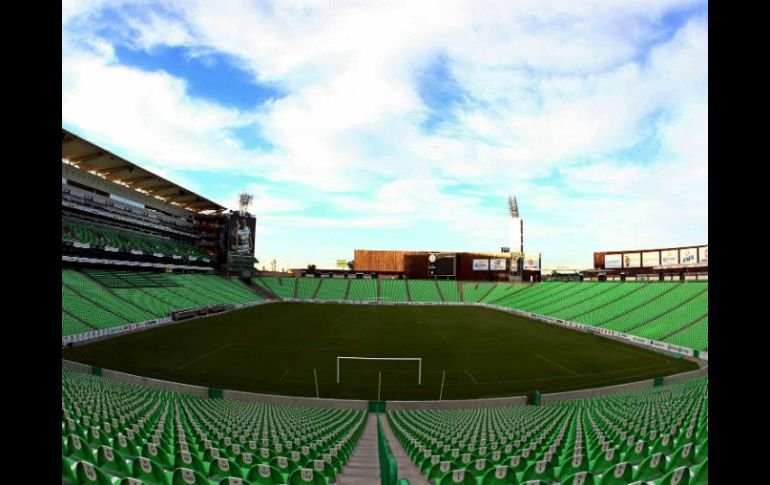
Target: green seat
{"x": 664, "y": 444}
{"x": 233, "y": 481}
{"x": 439, "y": 470}
{"x": 303, "y": 476}
{"x": 479, "y": 467}
{"x": 188, "y": 476}
{"x": 246, "y": 460}
{"x": 157, "y": 453}
{"x": 605, "y": 460}
{"x": 402, "y": 481}
{"x": 78, "y": 448}
{"x": 68, "y": 470}
{"x": 651, "y": 468}
{"x": 87, "y": 474}
{"x": 124, "y": 445}
{"x": 320, "y": 467}
{"x": 580, "y": 478}
{"x": 540, "y": 470}
{"x": 683, "y": 456}
{"x": 459, "y": 475}
{"x": 185, "y": 459}
{"x": 223, "y": 468}
{"x": 499, "y": 475}
{"x": 680, "y": 476}
{"x": 578, "y": 463}
{"x": 98, "y": 437}
{"x": 619, "y": 474}
{"x": 426, "y": 465}
{"x": 149, "y": 471}
{"x": 263, "y": 474}
{"x": 700, "y": 475}
{"x": 517, "y": 463}
{"x": 636, "y": 453}
{"x": 111, "y": 460}
{"x": 131, "y": 481}
{"x": 284, "y": 465}
{"x": 702, "y": 451}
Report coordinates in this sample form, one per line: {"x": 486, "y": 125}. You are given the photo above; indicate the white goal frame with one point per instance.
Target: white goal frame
{"x": 418, "y": 359}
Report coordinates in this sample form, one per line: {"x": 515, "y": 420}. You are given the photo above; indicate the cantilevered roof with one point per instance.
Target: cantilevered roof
{"x": 92, "y": 158}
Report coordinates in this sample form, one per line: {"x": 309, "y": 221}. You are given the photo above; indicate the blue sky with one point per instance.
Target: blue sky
{"x": 407, "y": 125}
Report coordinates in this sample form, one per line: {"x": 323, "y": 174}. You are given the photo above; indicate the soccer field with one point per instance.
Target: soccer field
{"x": 276, "y": 348}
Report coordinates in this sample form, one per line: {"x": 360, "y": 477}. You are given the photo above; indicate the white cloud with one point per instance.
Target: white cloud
{"x": 555, "y": 86}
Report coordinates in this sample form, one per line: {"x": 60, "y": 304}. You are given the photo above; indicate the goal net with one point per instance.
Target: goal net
{"x": 417, "y": 360}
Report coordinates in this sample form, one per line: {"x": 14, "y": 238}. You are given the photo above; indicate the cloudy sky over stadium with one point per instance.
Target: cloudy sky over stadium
{"x": 406, "y": 125}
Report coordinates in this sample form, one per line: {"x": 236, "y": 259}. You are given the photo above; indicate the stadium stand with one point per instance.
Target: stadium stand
{"x": 393, "y": 290}
{"x": 95, "y": 299}
{"x": 448, "y": 290}
{"x": 475, "y": 292}
{"x": 653, "y": 436}
{"x": 112, "y": 431}
{"x": 362, "y": 290}
{"x": 306, "y": 288}
{"x": 423, "y": 290}
{"x": 97, "y": 235}
{"x": 332, "y": 289}
{"x": 281, "y": 287}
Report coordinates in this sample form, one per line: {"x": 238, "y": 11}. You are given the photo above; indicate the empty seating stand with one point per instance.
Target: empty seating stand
{"x": 113, "y": 431}
{"x": 96, "y": 299}
{"x": 645, "y": 436}
{"x": 103, "y": 236}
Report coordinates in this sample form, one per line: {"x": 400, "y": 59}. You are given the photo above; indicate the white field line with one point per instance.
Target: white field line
{"x": 469, "y": 375}
{"x": 205, "y": 355}
{"x": 286, "y": 373}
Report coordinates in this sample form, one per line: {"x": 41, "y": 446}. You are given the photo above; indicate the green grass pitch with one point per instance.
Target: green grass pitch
{"x": 275, "y": 349}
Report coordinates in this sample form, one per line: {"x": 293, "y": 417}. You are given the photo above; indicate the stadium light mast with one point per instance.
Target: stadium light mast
{"x": 516, "y": 236}
{"x": 244, "y": 201}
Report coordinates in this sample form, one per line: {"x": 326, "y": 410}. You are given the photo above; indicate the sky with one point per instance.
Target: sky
{"x": 406, "y": 125}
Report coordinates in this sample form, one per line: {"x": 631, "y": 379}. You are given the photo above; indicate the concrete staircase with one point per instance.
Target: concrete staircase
{"x": 363, "y": 467}
{"x": 406, "y": 468}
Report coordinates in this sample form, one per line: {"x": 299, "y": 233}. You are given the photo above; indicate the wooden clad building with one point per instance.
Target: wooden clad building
{"x": 491, "y": 266}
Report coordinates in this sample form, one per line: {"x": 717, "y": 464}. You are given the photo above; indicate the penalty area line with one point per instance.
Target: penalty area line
{"x": 205, "y": 355}
{"x": 286, "y": 373}
{"x": 469, "y": 375}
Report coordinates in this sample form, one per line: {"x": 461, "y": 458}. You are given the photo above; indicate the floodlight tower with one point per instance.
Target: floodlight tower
{"x": 244, "y": 201}
{"x": 516, "y": 235}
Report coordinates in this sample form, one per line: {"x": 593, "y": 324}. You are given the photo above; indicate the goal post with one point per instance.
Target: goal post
{"x": 418, "y": 359}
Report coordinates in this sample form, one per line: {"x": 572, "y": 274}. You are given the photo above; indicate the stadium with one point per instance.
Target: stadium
{"x": 186, "y": 361}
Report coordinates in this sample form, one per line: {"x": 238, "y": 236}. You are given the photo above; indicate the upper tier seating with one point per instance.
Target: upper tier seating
{"x": 96, "y": 235}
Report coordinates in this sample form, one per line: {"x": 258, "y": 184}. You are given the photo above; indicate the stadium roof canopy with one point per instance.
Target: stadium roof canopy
{"x": 86, "y": 156}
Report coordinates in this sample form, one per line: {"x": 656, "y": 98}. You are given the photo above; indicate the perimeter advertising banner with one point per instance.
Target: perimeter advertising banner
{"x": 703, "y": 254}
{"x": 497, "y": 264}
{"x": 480, "y": 265}
{"x": 670, "y": 257}
{"x": 651, "y": 258}
{"x": 632, "y": 260}
{"x": 532, "y": 261}
{"x": 612, "y": 261}
{"x": 241, "y": 234}
{"x": 688, "y": 256}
